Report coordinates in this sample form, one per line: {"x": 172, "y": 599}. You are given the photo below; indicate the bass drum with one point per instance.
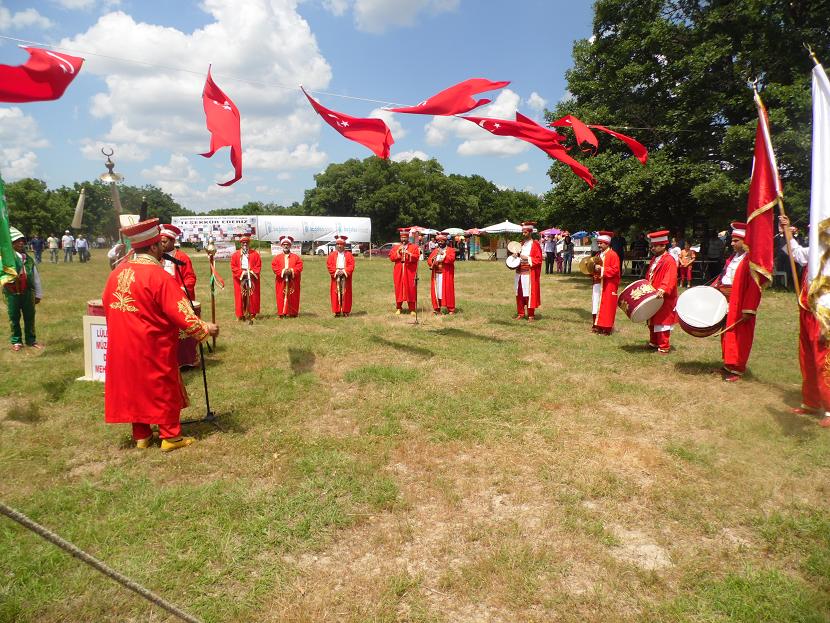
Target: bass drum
{"x": 639, "y": 301}
{"x": 702, "y": 310}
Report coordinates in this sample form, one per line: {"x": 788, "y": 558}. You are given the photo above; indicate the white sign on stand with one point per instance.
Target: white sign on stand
{"x": 95, "y": 348}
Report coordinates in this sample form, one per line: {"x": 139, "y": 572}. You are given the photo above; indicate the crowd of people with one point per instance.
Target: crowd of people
{"x": 69, "y": 244}
{"x": 148, "y": 302}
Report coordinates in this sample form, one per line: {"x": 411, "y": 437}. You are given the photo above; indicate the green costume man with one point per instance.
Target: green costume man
{"x": 22, "y": 294}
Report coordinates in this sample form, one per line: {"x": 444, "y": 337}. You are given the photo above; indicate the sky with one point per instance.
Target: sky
{"x": 139, "y": 91}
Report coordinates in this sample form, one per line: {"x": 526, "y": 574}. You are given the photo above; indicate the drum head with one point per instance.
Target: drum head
{"x": 702, "y": 307}
{"x": 647, "y": 308}
{"x": 513, "y": 262}
{"x": 514, "y": 246}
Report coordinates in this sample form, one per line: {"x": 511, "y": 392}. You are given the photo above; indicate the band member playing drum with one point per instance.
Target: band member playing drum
{"x": 246, "y": 264}
{"x": 528, "y": 275}
{"x": 288, "y": 268}
{"x": 442, "y": 264}
{"x": 662, "y": 275}
{"x": 813, "y": 329}
{"x": 737, "y": 284}
{"x": 608, "y": 272}
{"x": 405, "y": 256}
{"x": 341, "y": 268}
{"x": 185, "y": 276}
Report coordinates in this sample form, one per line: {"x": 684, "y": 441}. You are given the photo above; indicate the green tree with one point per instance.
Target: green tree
{"x": 676, "y": 73}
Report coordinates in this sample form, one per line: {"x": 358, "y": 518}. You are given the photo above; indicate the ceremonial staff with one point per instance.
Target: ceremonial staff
{"x": 211, "y": 253}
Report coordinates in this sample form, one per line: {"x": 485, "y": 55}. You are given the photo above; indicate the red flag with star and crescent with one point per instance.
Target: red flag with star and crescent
{"x": 530, "y": 132}
{"x": 45, "y": 76}
{"x": 456, "y": 99}
{"x": 369, "y": 132}
{"x": 223, "y": 123}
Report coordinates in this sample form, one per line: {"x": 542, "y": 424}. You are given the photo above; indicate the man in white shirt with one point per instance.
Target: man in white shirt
{"x": 550, "y": 254}
{"x": 68, "y": 244}
{"x": 82, "y": 245}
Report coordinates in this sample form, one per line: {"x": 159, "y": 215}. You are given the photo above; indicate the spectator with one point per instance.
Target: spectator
{"x": 462, "y": 249}
{"x": 714, "y": 256}
{"x": 550, "y": 253}
{"x": 22, "y": 295}
{"x": 82, "y": 246}
{"x": 37, "y": 246}
{"x": 674, "y": 250}
{"x": 687, "y": 258}
{"x": 68, "y": 244}
{"x": 567, "y": 253}
{"x": 618, "y": 244}
{"x": 53, "y": 244}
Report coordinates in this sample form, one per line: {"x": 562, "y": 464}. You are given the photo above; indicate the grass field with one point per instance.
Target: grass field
{"x": 469, "y": 468}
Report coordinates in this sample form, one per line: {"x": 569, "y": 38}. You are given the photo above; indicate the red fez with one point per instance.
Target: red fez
{"x": 659, "y": 237}
{"x": 605, "y": 235}
{"x": 244, "y": 239}
{"x": 738, "y": 230}
{"x": 143, "y": 233}
{"x": 528, "y": 225}
{"x": 341, "y": 238}
{"x": 288, "y": 239}
{"x": 170, "y": 231}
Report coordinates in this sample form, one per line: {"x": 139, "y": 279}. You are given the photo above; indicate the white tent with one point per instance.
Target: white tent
{"x": 505, "y": 227}
{"x": 452, "y": 231}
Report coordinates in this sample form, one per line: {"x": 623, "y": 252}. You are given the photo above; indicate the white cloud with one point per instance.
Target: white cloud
{"x": 536, "y": 102}
{"x": 377, "y": 16}
{"x": 19, "y": 136}
{"x": 124, "y": 152}
{"x": 75, "y": 5}
{"x": 27, "y": 18}
{"x": 177, "y": 169}
{"x": 522, "y": 168}
{"x": 153, "y": 108}
{"x": 476, "y": 141}
{"x": 406, "y": 156}
{"x": 391, "y": 120}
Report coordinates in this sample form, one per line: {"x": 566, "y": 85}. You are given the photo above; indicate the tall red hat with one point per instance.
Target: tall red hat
{"x": 171, "y": 231}
{"x": 659, "y": 237}
{"x": 143, "y": 233}
{"x": 528, "y": 225}
{"x": 605, "y": 235}
{"x": 340, "y": 238}
{"x": 286, "y": 238}
{"x": 403, "y": 230}
{"x": 738, "y": 230}
{"x": 246, "y": 239}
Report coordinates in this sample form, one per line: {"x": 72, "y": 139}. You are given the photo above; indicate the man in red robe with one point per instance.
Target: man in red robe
{"x": 145, "y": 311}
{"x": 442, "y": 264}
{"x": 662, "y": 275}
{"x": 340, "y": 264}
{"x": 288, "y": 269}
{"x": 609, "y": 273}
{"x": 528, "y": 275}
{"x": 185, "y": 276}
{"x": 405, "y": 256}
{"x": 812, "y": 339}
{"x": 246, "y": 265}
{"x": 744, "y": 295}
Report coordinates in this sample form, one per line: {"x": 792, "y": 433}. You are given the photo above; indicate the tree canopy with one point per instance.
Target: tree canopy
{"x": 674, "y": 74}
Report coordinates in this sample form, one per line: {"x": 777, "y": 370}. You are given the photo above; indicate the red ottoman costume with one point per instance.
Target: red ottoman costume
{"x": 341, "y": 262}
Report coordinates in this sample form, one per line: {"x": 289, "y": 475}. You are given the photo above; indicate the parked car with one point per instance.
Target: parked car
{"x": 329, "y": 247}
{"x": 382, "y": 251}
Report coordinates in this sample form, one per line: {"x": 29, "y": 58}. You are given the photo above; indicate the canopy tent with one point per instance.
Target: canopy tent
{"x": 423, "y": 230}
{"x": 473, "y": 232}
{"x": 453, "y": 231}
{"x": 505, "y": 227}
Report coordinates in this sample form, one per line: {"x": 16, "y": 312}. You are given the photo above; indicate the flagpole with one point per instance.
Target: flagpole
{"x": 779, "y": 195}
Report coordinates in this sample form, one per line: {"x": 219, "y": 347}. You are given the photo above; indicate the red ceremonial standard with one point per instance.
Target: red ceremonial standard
{"x": 223, "y": 122}
{"x": 371, "y": 133}
{"x": 44, "y": 76}
{"x": 455, "y": 100}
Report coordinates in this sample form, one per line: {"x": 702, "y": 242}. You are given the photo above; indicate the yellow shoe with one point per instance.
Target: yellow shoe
{"x": 412, "y": 313}
{"x": 398, "y": 312}
{"x": 167, "y": 445}
{"x": 143, "y": 444}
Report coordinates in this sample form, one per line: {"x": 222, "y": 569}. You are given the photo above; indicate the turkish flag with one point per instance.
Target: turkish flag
{"x": 637, "y": 148}
{"x": 456, "y": 99}
{"x": 537, "y": 130}
{"x": 223, "y": 123}
{"x": 581, "y": 131}
{"x": 45, "y": 76}
{"x": 526, "y": 132}
{"x": 764, "y": 191}
{"x": 371, "y": 133}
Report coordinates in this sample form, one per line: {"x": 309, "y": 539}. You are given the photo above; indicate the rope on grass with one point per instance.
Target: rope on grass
{"x": 93, "y": 562}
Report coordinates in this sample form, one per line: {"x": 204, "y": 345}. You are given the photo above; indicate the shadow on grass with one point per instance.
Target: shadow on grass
{"x": 301, "y": 360}
{"x": 56, "y": 388}
{"x": 638, "y": 348}
{"x": 582, "y": 312}
{"x": 698, "y": 368}
{"x": 26, "y": 413}
{"x": 63, "y": 346}
{"x": 801, "y": 427}
{"x": 453, "y": 332}
{"x": 407, "y": 348}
